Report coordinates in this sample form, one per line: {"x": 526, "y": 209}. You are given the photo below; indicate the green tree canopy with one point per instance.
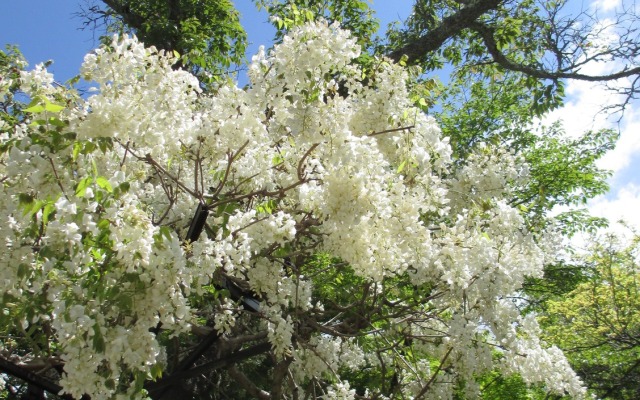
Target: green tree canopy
{"x": 598, "y": 323}
{"x": 207, "y": 34}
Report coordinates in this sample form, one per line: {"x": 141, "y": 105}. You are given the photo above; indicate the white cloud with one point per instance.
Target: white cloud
{"x": 621, "y": 208}
{"x": 627, "y": 147}
{"x": 606, "y": 5}
{"x": 624, "y": 205}
{"x": 583, "y": 112}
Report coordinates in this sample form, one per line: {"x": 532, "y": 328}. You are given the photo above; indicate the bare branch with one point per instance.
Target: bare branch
{"x": 404, "y": 128}
{"x": 249, "y": 386}
{"x": 486, "y": 33}
{"x": 19, "y": 372}
{"x": 210, "y": 366}
{"x": 435, "y": 374}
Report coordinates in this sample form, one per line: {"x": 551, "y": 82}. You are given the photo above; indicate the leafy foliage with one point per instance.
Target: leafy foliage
{"x": 11, "y": 63}
{"x": 207, "y": 34}
{"x": 353, "y": 15}
{"x": 597, "y": 323}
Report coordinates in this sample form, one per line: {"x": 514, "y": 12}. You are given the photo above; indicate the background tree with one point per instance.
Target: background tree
{"x": 544, "y": 41}
{"x": 563, "y": 171}
{"x": 597, "y": 324}
{"x": 11, "y": 63}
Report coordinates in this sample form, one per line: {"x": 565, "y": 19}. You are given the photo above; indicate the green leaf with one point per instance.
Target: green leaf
{"x": 122, "y": 188}
{"x": 25, "y": 199}
{"x": 139, "y": 380}
{"x": 401, "y": 166}
{"x": 104, "y": 224}
{"x": 48, "y": 209}
{"x": 23, "y": 270}
{"x": 34, "y": 109}
{"x": 76, "y": 150}
{"x": 38, "y": 122}
{"x": 104, "y": 184}
{"x": 267, "y": 207}
{"x": 35, "y": 207}
{"x": 56, "y": 122}
{"x": 124, "y": 301}
{"x": 309, "y": 15}
{"x": 165, "y": 232}
{"x": 53, "y": 107}
{"x": 282, "y": 252}
{"x": 156, "y": 371}
{"x": 105, "y": 144}
{"x": 277, "y": 159}
{"x": 81, "y": 188}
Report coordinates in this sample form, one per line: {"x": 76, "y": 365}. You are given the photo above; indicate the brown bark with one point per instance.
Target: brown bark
{"x": 448, "y": 28}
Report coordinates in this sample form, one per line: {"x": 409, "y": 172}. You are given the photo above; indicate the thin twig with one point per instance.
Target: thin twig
{"x": 302, "y": 160}
{"x": 232, "y": 157}
{"x": 404, "y": 128}
{"x": 55, "y": 173}
{"x": 124, "y": 157}
{"x": 435, "y": 374}
{"x": 149, "y": 159}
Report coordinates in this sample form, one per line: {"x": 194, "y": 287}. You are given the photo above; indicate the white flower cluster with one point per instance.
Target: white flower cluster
{"x": 340, "y": 391}
{"x": 94, "y": 229}
{"x": 37, "y": 81}
{"x": 138, "y": 100}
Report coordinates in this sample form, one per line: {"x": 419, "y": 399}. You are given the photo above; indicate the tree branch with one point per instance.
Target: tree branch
{"x": 246, "y": 383}
{"x": 209, "y": 366}
{"x": 128, "y": 16}
{"x": 279, "y": 374}
{"x": 486, "y": 33}
{"x": 31, "y": 378}
{"x": 449, "y": 27}
{"x": 426, "y": 387}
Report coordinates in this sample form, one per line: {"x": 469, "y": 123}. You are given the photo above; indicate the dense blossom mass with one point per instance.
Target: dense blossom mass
{"x": 310, "y": 174}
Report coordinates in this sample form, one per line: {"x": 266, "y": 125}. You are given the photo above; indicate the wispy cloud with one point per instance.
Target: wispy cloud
{"x": 623, "y": 204}
{"x": 606, "y": 5}
{"x": 581, "y": 114}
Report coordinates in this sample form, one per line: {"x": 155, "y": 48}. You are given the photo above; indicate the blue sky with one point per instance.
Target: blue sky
{"x": 48, "y": 30}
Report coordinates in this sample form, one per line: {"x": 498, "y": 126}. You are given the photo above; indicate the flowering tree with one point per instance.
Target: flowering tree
{"x": 283, "y": 241}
